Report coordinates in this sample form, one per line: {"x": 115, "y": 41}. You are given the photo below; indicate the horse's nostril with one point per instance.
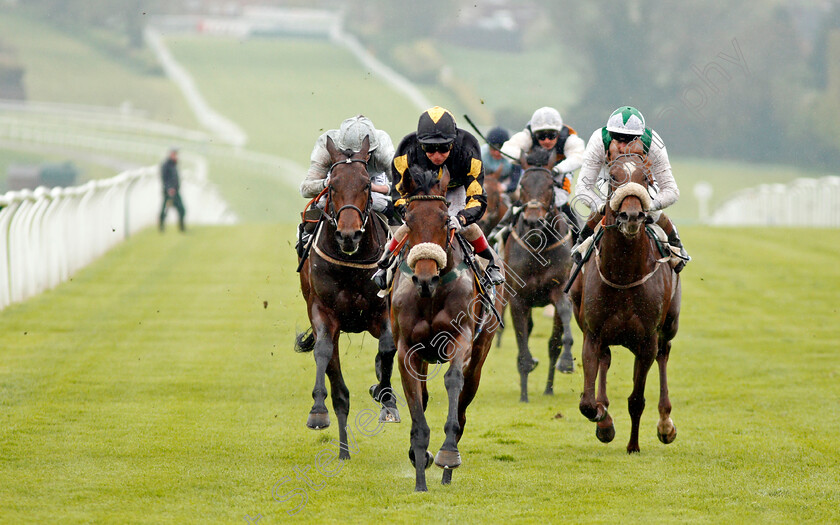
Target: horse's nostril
{"x": 622, "y": 216}
{"x": 357, "y": 236}
{"x": 338, "y": 237}
{"x": 435, "y": 279}
{"x": 414, "y": 279}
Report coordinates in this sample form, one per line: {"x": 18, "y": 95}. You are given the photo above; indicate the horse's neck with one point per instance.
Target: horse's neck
{"x": 623, "y": 258}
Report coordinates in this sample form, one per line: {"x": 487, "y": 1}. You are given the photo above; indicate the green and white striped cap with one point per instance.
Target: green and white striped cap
{"x": 626, "y": 120}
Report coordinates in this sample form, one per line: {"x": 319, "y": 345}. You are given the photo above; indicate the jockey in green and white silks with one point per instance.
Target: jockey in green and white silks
{"x": 625, "y": 125}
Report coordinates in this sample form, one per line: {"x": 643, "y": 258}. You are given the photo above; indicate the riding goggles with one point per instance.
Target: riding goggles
{"x": 548, "y": 134}
{"x": 436, "y": 148}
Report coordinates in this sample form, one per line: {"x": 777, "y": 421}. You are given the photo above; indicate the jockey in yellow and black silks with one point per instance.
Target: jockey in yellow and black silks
{"x": 436, "y": 144}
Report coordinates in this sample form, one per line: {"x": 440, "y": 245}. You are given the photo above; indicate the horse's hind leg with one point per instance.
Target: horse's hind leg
{"x": 383, "y": 392}
{"x": 645, "y": 355}
{"x": 341, "y": 401}
{"x": 563, "y": 315}
{"x": 666, "y": 431}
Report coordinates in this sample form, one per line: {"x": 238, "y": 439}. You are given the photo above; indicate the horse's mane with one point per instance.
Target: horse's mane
{"x": 424, "y": 180}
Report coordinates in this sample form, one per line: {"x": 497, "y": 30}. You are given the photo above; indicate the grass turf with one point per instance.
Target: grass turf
{"x": 159, "y": 385}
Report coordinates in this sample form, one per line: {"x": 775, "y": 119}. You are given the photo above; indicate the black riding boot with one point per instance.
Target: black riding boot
{"x": 305, "y": 230}
{"x": 674, "y": 240}
{"x": 493, "y": 272}
{"x": 381, "y": 278}
{"x": 585, "y": 233}
{"x": 574, "y": 225}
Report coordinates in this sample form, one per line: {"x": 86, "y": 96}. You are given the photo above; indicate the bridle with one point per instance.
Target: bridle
{"x": 331, "y": 211}
{"x": 651, "y": 185}
{"x": 533, "y": 203}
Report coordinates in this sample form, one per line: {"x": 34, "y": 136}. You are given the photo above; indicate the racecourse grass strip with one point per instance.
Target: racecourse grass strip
{"x": 160, "y": 385}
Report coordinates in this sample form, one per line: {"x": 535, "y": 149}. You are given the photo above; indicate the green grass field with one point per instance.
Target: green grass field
{"x": 160, "y": 385}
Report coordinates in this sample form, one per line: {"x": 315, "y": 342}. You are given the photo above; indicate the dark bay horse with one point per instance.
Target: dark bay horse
{"x": 437, "y": 319}
{"x": 629, "y": 296}
{"x": 497, "y": 201}
{"x": 340, "y": 297}
{"x": 538, "y": 253}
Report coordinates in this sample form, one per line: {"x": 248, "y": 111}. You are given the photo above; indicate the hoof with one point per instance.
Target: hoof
{"x": 565, "y": 366}
{"x": 447, "y": 477}
{"x": 632, "y": 449}
{"x": 448, "y": 459}
{"x": 389, "y": 415}
{"x": 605, "y": 435}
{"x": 523, "y": 398}
{"x": 318, "y": 421}
{"x": 667, "y": 437}
{"x": 429, "y": 460}
{"x": 549, "y": 391}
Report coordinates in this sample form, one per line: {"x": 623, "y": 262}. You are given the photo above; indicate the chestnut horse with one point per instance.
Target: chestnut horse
{"x": 627, "y": 296}
{"x": 538, "y": 254}
{"x": 437, "y": 318}
{"x": 340, "y": 297}
{"x": 498, "y": 201}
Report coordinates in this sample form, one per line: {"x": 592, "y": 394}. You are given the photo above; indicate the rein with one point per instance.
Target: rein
{"x": 557, "y": 244}
{"x": 641, "y": 281}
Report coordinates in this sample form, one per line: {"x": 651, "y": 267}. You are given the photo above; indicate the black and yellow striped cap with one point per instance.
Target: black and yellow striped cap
{"x": 436, "y": 126}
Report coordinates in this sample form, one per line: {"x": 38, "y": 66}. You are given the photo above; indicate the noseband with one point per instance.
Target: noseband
{"x": 333, "y": 214}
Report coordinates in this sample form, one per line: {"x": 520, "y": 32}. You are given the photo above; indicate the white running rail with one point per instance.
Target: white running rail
{"x": 47, "y": 235}
{"x": 803, "y": 202}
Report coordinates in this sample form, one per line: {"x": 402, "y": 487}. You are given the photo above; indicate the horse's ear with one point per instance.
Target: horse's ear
{"x": 614, "y": 151}
{"x": 552, "y": 159}
{"x": 444, "y": 179}
{"x": 523, "y": 161}
{"x": 332, "y": 149}
{"x": 365, "y": 147}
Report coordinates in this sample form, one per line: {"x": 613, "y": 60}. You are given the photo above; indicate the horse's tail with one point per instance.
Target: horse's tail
{"x": 305, "y": 341}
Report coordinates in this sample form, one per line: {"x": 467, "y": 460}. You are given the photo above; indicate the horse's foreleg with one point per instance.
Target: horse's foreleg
{"x": 605, "y": 430}
{"x": 665, "y": 429}
{"x": 412, "y": 374}
{"x": 525, "y": 362}
{"x": 383, "y": 393}
{"x": 563, "y": 316}
{"x": 645, "y": 355}
{"x": 326, "y": 331}
{"x": 448, "y": 456}
{"x": 340, "y": 399}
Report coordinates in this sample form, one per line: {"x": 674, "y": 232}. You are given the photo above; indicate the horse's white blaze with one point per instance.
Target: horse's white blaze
{"x": 427, "y": 250}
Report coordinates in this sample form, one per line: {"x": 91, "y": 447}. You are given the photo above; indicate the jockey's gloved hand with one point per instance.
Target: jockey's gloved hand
{"x": 455, "y": 223}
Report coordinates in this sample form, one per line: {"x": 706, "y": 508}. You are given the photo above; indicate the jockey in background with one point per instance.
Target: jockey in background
{"x": 492, "y": 158}
{"x": 436, "y": 144}
{"x": 349, "y": 136}
{"x": 624, "y": 128}
{"x": 546, "y": 129}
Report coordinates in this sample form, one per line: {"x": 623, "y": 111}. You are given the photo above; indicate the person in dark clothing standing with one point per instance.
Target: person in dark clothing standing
{"x": 171, "y": 188}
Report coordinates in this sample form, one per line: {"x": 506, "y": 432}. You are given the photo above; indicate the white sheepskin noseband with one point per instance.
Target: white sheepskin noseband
{"x": 630, "y": 189}
{"x": 426, "y": 250}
